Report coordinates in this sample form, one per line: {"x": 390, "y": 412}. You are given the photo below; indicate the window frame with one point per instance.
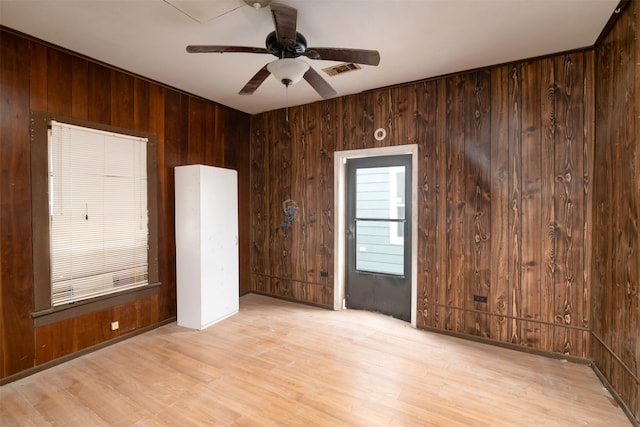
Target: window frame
{"x": 44, "y": 312}
{"x": 395, "y": 238}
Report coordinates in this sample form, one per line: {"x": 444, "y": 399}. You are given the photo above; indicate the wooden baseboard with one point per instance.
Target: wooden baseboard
{"x": 510, "y": 346}
{"x": 284, "y": 298}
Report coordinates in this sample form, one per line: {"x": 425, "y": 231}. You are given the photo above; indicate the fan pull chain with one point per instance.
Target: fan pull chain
{"x": 286, "y": 108}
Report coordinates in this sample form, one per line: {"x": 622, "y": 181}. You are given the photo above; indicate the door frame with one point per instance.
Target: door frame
{"x": 339, "y": 220}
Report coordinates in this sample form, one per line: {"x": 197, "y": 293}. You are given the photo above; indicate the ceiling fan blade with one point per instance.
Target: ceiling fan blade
{"x": 255, "y": 81}
{"x": 319, "y": 84}
{"x": 284, "y": 19}
{"x": 223, "y": 49}
{"x": 358, "y": 56}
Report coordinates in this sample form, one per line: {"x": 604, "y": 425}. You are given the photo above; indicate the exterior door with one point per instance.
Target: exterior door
{"x": 378, "y": 236}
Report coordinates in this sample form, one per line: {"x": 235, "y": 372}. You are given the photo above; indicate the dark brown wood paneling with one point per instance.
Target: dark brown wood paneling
{"x": 429, "y": 201}
{"x": 99, "y": 92}
{"x": 43, "y": 78}
{"x": 402, "y": 121}
{"x": 199, "y": 116}
{"x": 532, "y": 204}
{"x": 122, "y": 100}
{"x": 174, "y": 144}
{"x": 59, "y": 82}
{"x": 499, "y": 299}
{"x": 439, "y": 161}
{"x": 260, "y": 193}
{"x": 456, "y": 203}
{"x": 281, "y": 237}
{"x": 491, "y": 181}
{"x": 16, "y": 329}
{"x": 298, "y": 243}
{"x": 587, "y": 189}
{"x": 570, "y": 200}
{"x": 237, "y": 156}
{"x": 515, "y": 202}
{"x": 325, "y": 222}
{"x": 615, "y": 309}
{"x": 311, "y": 232}
{"x": 79, "y": 88}
{"x": 141, "y": 105}
{"x": 548, "y": 95}
{"x": 69, "y": 336}
{"x": 380, "y": 118}
{"x": 477, "y": 124}
{"x": 38, "y": 76}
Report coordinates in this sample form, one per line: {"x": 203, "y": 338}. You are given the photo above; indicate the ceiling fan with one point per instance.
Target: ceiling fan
{"x": 287, "y": 45}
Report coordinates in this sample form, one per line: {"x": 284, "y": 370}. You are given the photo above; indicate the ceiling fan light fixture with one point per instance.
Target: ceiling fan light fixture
{"x": 288, "y": 71}
{"x": 258, "y": 4}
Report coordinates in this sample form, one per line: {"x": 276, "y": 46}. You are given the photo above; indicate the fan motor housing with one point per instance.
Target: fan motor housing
{"x": 286, "y": 48}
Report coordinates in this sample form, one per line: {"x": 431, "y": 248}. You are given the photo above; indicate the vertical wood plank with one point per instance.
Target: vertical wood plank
{"x": 122, "y": 100}
{"x": 548, "y": 117}
{"x": 589, "y": 208}
{"x": 166, "y": 233}
{"x": 297, "y": 197}
{"x": 403, "y": 116}
{"x": 442, "y": 231}
{"x": 38, "y": 76}
{"x": 141, "y": 103}
{"x": 531, "y": 213}
{"x": 99, "y": 92}
{"x": 176, "y": 121}
{"x": 569, "y": 170}
{"x": 348, "y": 125}
{"x": 478, "y": 193}
{"x": 515, "y": 202}
{"x": 312, "y": 203}
{"x": 237, "y": 141}
{"x": 633, "y": 290}
{"x": 17, "y": 352}
{"x": 456, "y": 202}
{"x": 79, "y": 88}
{"x": 212, "y": 142}
{"x": 381, "y": 118}
{"x": 280, "y": 239}
{"x": 499, "y": 301}
{"x": 259, "y": 195}
{"x": 330, "y": 138}
{"x": 197, "y": 131}
{"x": 59, "y": 82}
{"x": 366, "y": 114}
{"x": 426, "y": 98}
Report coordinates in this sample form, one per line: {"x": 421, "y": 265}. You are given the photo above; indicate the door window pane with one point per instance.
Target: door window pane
{"x": 380, "y": 215}
{"x": 374, "y": 252}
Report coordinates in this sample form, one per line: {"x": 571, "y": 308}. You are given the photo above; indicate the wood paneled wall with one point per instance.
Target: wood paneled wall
{"x": 35, "y": 76}
{"x": 505, "y": 166}
{"x": 615, "y": 314}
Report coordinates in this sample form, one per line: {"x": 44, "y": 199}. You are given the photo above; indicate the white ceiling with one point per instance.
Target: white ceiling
{"x": 417, "y": 39}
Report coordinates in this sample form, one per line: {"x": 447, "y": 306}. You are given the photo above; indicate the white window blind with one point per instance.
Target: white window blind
{"x": 98, "y": 212}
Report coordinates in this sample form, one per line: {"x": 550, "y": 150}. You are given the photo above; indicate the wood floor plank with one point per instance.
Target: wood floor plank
{"x": 277, "y": 363}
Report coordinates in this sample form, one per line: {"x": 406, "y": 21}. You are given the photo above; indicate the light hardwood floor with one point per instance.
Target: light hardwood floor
{"x": 283, "y": 364}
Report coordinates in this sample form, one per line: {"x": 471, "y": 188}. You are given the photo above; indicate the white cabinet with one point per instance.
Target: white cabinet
{"x": 207, "y": 269}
